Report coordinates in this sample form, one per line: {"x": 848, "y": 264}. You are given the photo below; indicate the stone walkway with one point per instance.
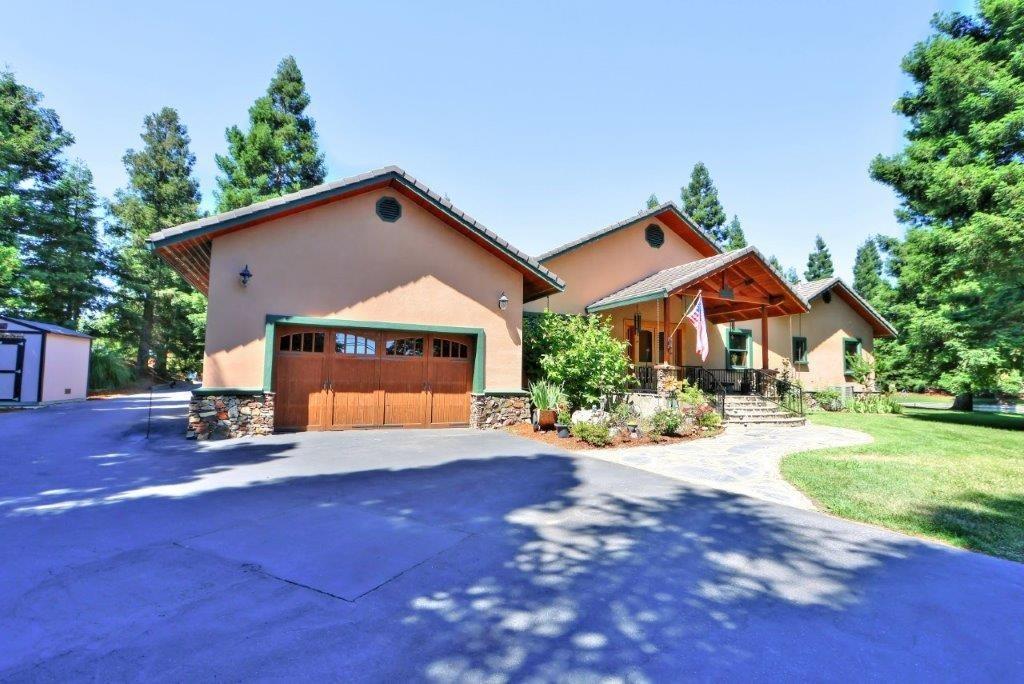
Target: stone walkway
{"x": 744, "y": 459}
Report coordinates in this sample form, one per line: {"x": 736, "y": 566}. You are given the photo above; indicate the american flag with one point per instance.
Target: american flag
{"x": 700, "y": 324}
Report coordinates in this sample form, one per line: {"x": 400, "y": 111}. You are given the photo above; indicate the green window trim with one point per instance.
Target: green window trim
{"x": 799, "y": 357}
{"x": 748, "y": 348}
{"x": 846, "y": 355}
{"x": 273, "y": 320}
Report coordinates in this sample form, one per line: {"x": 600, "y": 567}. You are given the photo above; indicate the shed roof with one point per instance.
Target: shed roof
{"x": 187, "y": 247}
{"x": 46, "y": 327}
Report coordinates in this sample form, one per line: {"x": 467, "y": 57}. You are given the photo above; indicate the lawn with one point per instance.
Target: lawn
{"x": 954, "y": 476}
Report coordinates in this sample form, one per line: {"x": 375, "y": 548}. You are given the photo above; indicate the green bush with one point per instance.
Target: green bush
{"x": 546, "y": 396}
{"x": 875, "y": 403}
{"x": 709, "y": 419}
{"x": 830, "y": 399}
{"x": 689, "y": 395}
{"x": 663, "y": 422}
{"x": 595, "y": 434}
{"x": 108, "y": 368}
{"x": 622, "y": 414}
{"x": 579, "y": 353}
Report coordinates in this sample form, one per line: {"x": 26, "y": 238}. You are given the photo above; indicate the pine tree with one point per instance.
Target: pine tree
{"x": 700, "y": 201}
{"x": 652, "y": 201}
{"x": 279, "y": 152}
{"x": 867, "y": 271}
{"x": 62, "y": 257}
{"x": 789, "y": 274}
{"x": 32, "y": 142}
{"x": 157, "y": 314}
{"x": 819, "y": 262}
{"x": 735, "y": 239}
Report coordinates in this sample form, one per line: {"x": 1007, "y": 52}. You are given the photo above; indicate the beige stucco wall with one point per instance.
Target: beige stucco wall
{"x": 609, "y": 264}
{"x": 67, "y": 367}
{"x": 341, "y": 261}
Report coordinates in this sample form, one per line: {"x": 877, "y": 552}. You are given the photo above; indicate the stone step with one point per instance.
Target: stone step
{"x": 789, "y": 421}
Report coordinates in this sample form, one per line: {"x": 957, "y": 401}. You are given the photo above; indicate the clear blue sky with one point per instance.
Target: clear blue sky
{"x": 544, "y": 120}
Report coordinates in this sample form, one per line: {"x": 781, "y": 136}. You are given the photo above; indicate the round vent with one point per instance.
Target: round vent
{"x": 827, "y": 296}
{"x": 388, "y": 209}
{"x": 655, "y": 236}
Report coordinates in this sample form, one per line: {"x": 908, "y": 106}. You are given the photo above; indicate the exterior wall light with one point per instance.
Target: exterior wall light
{"x": 503, "y": 301}
{"x": 245, "y": 275}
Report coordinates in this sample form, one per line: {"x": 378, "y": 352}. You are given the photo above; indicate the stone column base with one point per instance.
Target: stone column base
{"x": 667, "y": 377}
{"x": 223, "y": 416}
{"x": 497, "y": 410}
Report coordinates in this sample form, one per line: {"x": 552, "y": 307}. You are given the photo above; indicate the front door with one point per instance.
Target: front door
{"x": 12, "y": 358}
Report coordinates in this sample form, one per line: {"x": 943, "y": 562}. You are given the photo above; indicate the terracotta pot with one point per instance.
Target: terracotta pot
{"x": 546, "y": 419}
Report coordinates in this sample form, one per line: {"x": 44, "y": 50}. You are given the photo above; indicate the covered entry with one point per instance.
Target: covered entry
{"x": 335, "y": 378}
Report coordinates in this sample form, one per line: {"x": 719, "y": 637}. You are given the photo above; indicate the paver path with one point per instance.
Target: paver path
{"x": 744, "y": 459}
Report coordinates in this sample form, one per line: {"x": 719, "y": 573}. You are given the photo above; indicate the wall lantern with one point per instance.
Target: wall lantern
{"x": 245, "y": 275}
{"x": 503, "y": 301}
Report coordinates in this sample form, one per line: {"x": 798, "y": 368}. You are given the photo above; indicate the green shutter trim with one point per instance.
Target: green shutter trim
{"x": 749, "y": 334}
{"x": 860, "y": 346}
{"x": 274, "y": 320}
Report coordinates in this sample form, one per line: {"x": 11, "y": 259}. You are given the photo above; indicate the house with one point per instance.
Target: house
{"x": 645, "y": 271}
{"x": 42, "y": 363}
{"x": 371, "y": 301}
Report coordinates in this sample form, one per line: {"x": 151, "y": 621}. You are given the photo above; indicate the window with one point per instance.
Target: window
{"x": 450, "y": 349}
{"x": 738, "y": 348}
{"x": 851, "y": 348}
{"x": 799, "y": 350}
{"x": 654, "y": 235}
{"x": 302, "y": 342}
{"x": 354, "y": 345}
{"x": 407, "y": 346}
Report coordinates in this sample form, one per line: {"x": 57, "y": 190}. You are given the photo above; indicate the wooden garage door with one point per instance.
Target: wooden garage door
{"x": 369, "y": 378}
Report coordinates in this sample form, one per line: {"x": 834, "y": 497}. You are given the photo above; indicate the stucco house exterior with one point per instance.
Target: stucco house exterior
{"x": 644, "y": 272}
{"x": 370, "y": 301}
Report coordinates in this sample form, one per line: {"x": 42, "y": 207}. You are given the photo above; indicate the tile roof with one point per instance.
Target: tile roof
{"x": 814, "y": 288}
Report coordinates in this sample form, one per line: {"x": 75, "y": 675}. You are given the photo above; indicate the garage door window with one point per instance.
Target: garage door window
{"x": 303, "y": 342}
{"x": 450, "y": 349}
{"x": 354, "y": 345}
{"x": 406, "y": 346}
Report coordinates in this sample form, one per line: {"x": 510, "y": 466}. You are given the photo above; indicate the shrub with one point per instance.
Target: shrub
{"x": 689, "y": 395}
{"x": 709, "y": 419}
{"x": 579, "y": 353}
{"x": 663, "y": 422}
{"x": 108, "y": 368}
{"x": 830, "y": 399}
{"x": 546, "y": 396}
{"x": 860, "y": 369}
{"x": 595, "y": 434}
{"x": 875, "y": 403}
{"x": 623, "y": 413}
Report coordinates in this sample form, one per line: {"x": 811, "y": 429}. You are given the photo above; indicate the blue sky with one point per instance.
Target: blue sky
{"x": 543, "y": 120}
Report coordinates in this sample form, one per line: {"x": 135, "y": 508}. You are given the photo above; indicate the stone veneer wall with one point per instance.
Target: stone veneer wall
{"x": 221, "y": 416}
{"x": 489, "y": 411}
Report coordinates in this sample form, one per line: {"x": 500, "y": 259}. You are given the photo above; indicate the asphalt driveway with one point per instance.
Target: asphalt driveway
{"x": 449, "y": 556}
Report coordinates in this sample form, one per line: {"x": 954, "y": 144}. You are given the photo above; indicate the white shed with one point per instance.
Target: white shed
{"x": 42, "y": 363}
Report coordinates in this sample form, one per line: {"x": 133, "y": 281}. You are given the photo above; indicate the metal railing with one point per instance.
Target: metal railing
{"x": 787, "y": 395}
{"x": 706, "y": 381}
{"x": 750, "y": 382}
{"x": 646, "y": 378}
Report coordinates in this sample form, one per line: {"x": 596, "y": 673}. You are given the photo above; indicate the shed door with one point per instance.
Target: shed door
{"x": 12, "y": 358}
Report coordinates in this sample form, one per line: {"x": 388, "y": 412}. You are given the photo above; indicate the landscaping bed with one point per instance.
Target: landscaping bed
{"x": 575, "y": 444}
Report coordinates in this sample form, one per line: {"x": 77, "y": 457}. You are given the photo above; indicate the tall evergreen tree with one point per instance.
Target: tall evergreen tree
{"x": 867, "y": 271}
{"x": 279, "y": 152}
{"x": 32, "y": 142}
{"x": 735, "y": 239}
{"x": 652, "y": 201}
{"x": 157, "y": 314}
{"x": 960, "y": 179}
{"x": 62, "y": 257}
{"x": 789, "y": 274}
{"x": 700, "y": 201}
{"x": 819, "y": 262}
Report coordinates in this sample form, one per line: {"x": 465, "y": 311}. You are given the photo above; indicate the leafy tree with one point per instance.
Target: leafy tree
{"x": 279, "y": 152}
{"x": 579, "y": 353}
{"x": 960, "y": 179}
{"x": 819, "y": 262}
{"x": 156, "y": 313}
{"x": 32, "y": 141}
{"x": 652, "y": 201}
{"x": 700, "y": 201}
{"x": 735, "y": 239}
{"x": 789, "y": 274}
{"x": 867, "y": 271}
{"x": 62, "y": 258}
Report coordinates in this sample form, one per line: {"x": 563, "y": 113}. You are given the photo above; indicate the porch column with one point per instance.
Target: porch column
{"x": 764, "y": 337}
{"x": 666, "y": 356}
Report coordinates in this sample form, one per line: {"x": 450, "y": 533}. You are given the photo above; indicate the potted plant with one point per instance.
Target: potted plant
{"x": 564, "y": 420}
{"x": 546, "y": 398}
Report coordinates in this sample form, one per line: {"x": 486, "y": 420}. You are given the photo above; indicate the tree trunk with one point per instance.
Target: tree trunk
{"x": 145, "y": 338}
{"x": 963, "y": 402}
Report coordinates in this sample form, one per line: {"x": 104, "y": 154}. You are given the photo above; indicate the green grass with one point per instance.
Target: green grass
{"x": 954, "y": 476}
{"x": 922, "y": 398}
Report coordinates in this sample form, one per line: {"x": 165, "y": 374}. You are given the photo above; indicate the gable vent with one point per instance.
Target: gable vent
{"x": 388, "y": 209}
{"x": 654, "y": 235}
{"x": 826, "y": 296}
